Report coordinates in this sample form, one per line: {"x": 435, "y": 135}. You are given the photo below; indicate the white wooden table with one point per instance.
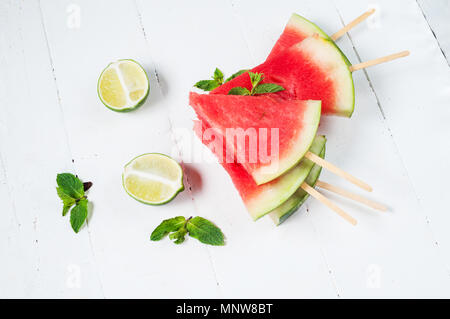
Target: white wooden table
{"x": 51, "y": 120}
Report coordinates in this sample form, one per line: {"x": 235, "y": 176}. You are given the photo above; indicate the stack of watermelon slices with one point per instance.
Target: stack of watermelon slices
{"x": 317, "y": 80}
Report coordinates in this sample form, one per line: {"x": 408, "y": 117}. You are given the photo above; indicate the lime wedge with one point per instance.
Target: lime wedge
{"x": 153, "y": 178}
{"x": 123, "y": 86}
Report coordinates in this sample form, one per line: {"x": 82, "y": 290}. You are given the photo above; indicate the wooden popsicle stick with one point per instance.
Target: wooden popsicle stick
{"x": 332, "y": 168}
{"x": 311, "y": 191}
{"x": 352, "y": 24}
{"x": 384, "y": 59}
{"x": 352, "y": 196}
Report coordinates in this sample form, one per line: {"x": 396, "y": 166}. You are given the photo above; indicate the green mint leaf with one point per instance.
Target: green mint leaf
{"x": 66, "y": 199}
{"x": 268, "y": 88}
{"x": 79, "y": 214}
{"x": 255, "y": 78}
{"x": 179, "y": 235}
{"x": 205, "y": 231}
{"x": 239, "y": 91}
{"x": 235, "y": 75}
{"x": 167, "y": 226}
{"x": 207, "y": 85}
{"x": 218, "y": 76}
{"x": 70, "y": 185}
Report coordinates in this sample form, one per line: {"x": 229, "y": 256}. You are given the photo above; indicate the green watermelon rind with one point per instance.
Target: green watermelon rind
{"x": 297, "y": 21}
{"x": 284, "y": 211}
{"x": 318, "y": 30}
{"x": 347, "y": 112}
{"x": 287, "y": 185}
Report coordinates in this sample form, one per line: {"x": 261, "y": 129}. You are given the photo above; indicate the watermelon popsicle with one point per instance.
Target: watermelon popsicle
{"x": 218, "y": 113}
{"x": 280, "y": 197}
{"x": 313, "y": 69}
{"x": 311, "y": 60}
{"x": 261, "y": 199}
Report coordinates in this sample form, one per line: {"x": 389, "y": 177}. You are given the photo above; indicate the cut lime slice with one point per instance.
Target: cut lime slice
{"x": 153, "y": 178}
{"x": 123, "y": 86}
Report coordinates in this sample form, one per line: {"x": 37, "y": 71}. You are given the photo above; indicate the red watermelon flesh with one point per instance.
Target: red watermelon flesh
{"x": 314, "y": 69}
{"x": 296, "y": 125}
{"x": 296, "y": 30}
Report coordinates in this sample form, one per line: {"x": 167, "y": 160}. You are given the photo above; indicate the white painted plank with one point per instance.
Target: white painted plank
{"x": 103, "y": 142}
{"x": 41, "y": 255}
{"x": 414, "y": 96}
{"x": 10, "y": 245}
{"x": 437, "y": 14}
{"x": 363, "y": 146}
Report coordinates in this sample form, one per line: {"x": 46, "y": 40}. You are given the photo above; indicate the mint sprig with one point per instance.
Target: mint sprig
{"x": 209, "y": 85}
{"x": 216, "y": 80}
{"x": 71, "y": 190}
{"x": 197, "y": 227}
{"x": 257, "y": 86}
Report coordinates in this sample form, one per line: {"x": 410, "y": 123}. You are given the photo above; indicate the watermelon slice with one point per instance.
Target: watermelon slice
{"x": 296, "y": 126}
{"x": 262, "y": 199}
{"x": 296, "y": 30}
{"x": 285, "y": 210}
{"x": 314, "y": 69}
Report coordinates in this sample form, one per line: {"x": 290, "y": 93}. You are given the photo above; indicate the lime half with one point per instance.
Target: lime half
{"x": 123, "y": 86}
{"x": 153, "y": 178}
